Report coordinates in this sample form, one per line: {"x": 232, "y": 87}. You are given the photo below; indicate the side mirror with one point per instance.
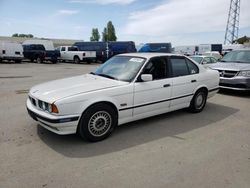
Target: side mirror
{"x": 204, "y": 62}
{"x": 146, "y": 77}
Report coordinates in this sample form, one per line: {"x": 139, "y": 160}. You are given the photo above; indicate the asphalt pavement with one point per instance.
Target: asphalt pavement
{"x": 177, "y": 149}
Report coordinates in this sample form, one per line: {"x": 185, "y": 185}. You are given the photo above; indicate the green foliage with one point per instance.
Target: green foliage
{"x": 242, "y": 40}
{"x": 104, "y": 35}
{"x": 23, "y": 35}
{"x": 95, "y": 35}
{"x": 111, "y": 36}
{"x": 108, "y": 33}
{"x": 15, "y": 35}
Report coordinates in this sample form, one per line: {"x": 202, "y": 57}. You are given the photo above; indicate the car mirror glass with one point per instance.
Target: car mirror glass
{"x": 146, "y": 77}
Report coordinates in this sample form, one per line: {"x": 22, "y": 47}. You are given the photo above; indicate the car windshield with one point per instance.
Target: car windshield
{"x": 123, "y": 68}
{"x": 197, "y": 59}
{"x": 239, "y": 56}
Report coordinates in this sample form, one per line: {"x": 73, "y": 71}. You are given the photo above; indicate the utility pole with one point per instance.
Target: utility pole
{"x": 232, "y": 28}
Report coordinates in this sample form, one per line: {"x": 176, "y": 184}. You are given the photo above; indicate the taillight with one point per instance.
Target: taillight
{"x": 83, "y": 54}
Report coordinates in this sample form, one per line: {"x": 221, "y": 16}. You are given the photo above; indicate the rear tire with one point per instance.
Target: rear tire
{"x": 97, "y": 122}
{"x": 76, "y": 60}
{"x": 54, "y": 61}
{"x": 199, "y": 101}
{"x": 17, "y": 61}
{"x": 39, "y": 60}
{"x": 88, "y": 61}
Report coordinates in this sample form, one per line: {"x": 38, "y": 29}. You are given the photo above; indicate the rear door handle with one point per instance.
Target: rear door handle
{"x": 166, "y": 85}
{"x": 193, "y": 80}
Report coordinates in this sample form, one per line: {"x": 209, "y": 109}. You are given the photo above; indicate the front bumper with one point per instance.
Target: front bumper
{"x": 235, "y": 83}
{"x": 61, "y": 125}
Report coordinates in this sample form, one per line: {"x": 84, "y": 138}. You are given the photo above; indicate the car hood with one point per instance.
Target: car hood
{"x": 230, "y": 66}
{"x": 59, "y": 89}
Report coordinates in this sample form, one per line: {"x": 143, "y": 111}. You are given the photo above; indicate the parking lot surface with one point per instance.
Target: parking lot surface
{"x": 178, "y": 149}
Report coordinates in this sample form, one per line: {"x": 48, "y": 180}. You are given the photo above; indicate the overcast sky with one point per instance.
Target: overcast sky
{"x": 182, "y": 22}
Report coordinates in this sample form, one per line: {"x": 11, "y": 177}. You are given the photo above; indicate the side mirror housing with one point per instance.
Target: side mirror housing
{"x": 146, "y": 77}
{"x": 204, "y": 62}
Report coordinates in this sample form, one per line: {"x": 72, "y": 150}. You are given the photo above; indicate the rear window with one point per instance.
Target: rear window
{"x": 179, "y": 67}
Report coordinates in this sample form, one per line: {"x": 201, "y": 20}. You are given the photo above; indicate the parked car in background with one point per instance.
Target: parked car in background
{"x": 204, "y": 60}
{"x": 156, "y": 47}
{"x": 121, "y": 47}
{"x": 40, "y": 50}
{"x": 72, "y": 53}
{"x": 106, "y": 50}
{"x": 101, "y": 48}
{"x": 126, "y": 88}
{"x": 11, "y": 51}
{"x": 234, "y": 69}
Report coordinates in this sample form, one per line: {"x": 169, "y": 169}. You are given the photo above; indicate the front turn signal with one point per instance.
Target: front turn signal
{"x": 54, "y": 109}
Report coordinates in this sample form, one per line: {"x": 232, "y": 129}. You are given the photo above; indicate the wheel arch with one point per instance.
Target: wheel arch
{"x": 202, "y": 87}
{"x": 99, "y": 102}
{"x": 76, "y": 56}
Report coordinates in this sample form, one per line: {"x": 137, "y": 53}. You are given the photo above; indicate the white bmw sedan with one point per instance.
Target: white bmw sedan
{"x": 126, "y": 88}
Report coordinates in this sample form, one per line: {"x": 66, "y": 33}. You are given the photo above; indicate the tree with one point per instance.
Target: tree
{"x": 95, "y": 35}
{"x": 108, "y": 33}
{"x": 30, "y": 36}
{"x": 23, "y": 35}
{"x": 111, "y": 36}
{"x": 242, "y": 40}
{"x": 104, "y": 35}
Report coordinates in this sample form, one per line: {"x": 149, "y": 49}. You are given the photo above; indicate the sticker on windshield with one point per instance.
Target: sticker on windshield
{"x": 138, "y": 60}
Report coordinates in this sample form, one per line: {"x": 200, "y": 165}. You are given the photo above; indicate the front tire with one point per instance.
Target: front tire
{"x": 199, "y": 101}
{"x": 97, "y": 122}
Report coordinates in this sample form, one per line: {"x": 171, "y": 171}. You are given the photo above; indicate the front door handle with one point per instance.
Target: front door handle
{"x": 166, "y": 85}
{"x": 193, "y": 81}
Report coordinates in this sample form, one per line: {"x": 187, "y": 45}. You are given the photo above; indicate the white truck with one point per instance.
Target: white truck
{"x": 72, "y": 53}
{"x": 11, "y": 51}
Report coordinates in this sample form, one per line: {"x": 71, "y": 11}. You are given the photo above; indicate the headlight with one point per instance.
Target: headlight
{"x": 51, "y": 108}
{"x": 244, "y": 73}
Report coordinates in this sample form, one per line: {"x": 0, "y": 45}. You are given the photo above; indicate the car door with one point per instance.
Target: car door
{"x": 153, "y": 96}
{"x": 63, "y": 53}
{"x": 185, "y": 79}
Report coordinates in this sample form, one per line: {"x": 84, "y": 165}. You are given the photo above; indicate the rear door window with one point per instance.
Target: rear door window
{"x": 179, "y": 66}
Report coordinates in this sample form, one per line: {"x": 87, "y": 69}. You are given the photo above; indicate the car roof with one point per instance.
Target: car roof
{"x": 149, "y": 55}
{"x": 201, "y": 56}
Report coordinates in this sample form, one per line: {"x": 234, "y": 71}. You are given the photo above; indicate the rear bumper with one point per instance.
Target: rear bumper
{"x": 50, "y": 58}
{"x": 61, "y": 125}
{"x": 235, "y": 83}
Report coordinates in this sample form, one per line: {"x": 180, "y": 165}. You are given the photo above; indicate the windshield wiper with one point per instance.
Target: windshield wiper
{"x": 92, "y": 73}
{"x": 107, "y": 76}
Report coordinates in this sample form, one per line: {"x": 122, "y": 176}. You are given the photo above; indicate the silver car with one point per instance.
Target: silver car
{"x": 234, "y": 69}
{"x": 201, "y": 59}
